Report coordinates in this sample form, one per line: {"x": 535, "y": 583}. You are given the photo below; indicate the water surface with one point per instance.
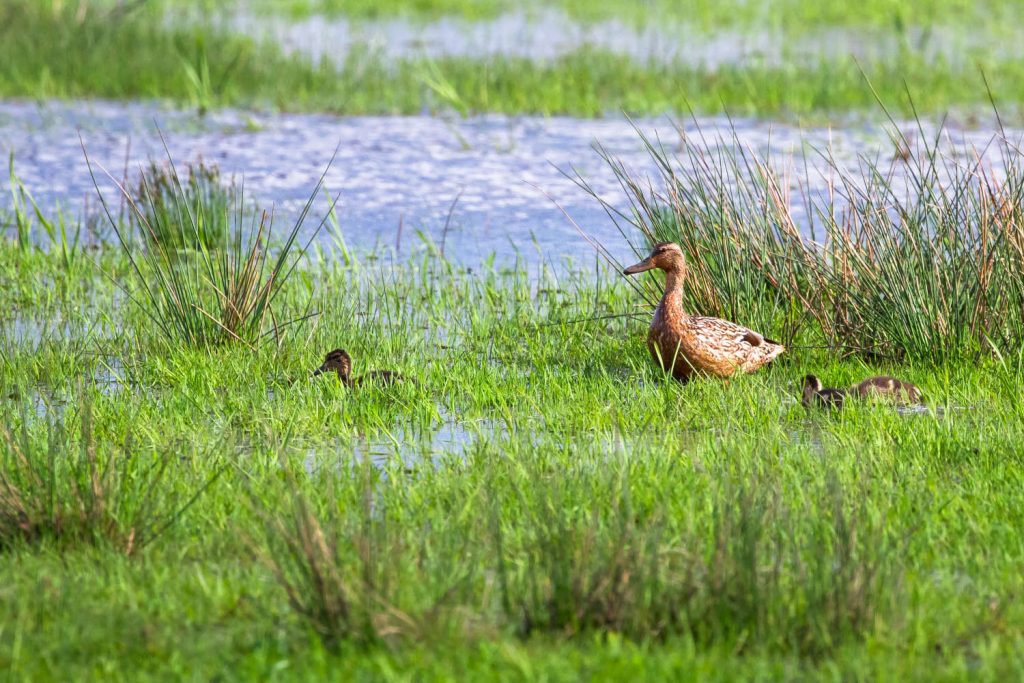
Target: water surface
{"x": 398, "y": 178}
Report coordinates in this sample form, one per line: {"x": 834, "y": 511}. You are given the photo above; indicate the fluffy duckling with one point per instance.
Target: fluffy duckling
{"x": 816, "y": 394}
{"x": 890, "y": 388}
{"x": 883, "y": 387}
{"x": 340, "y": 362}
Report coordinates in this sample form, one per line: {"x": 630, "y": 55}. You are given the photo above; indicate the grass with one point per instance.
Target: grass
{"x": 590, "y": 514}
{"x": 71, "y": 491}
{"x": 191, "y": 213}
{"x": 79, "y": 51}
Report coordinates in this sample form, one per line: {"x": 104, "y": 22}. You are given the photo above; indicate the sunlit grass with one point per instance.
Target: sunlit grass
{"x": 210, "y": 270}
{"x": 585, "y": 502}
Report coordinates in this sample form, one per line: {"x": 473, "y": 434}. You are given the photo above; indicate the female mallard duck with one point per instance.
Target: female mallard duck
{"x": 882, "y": 387}
{"x": 340, "y": 362}
{"x": 689, "y": 344}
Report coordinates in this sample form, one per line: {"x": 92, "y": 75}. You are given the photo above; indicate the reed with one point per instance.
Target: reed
{"x": 222, "y": 290}
{"x": 926, "y": 272}
{"x": 190, "y": 214}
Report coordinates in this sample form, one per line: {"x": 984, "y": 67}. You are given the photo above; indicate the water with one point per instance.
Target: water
{"x": 545, "y": 34}
{"x": 398, "y": 177}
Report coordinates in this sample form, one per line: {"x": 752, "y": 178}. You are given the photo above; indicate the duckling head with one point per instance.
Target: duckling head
{"x": 337, "y": 361}
{"x": 665, "y": 256}
{"x": 811, "y": 386}
{"x": 813, "y": 383}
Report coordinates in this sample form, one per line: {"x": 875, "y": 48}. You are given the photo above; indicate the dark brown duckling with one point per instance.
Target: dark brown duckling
{"x": 816, "y": 394}
{"x": 889, "y": 388}
{"x": 340, "y": 362}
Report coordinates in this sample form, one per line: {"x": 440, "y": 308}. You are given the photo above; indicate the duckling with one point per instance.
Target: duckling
{"x": 815, "y": 394}
{"x": 886, "y": 387}
{"x": 687, "y": 344}
{"x": 340, "y": 362}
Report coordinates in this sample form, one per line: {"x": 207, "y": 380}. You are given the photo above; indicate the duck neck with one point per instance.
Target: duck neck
{"x": 672, "y": 301}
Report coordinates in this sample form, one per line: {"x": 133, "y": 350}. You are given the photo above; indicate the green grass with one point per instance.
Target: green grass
{"x": 595, "y": 516}
{"x": 190, "y": 211}
{"x": 61, "y": 52}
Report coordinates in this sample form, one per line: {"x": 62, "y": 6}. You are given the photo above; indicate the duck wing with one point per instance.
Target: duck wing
{"x": 722, "y": 333}
{"x": 753, "y": 338}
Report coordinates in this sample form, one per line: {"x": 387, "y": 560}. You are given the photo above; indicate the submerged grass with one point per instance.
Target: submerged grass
{"x": 78, "y": 49}
{"x": 795, "y": 15}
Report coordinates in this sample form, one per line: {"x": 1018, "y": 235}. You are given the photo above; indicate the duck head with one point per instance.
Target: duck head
{"x": 337, "y": 361}
{"x": 811, "y": 386}
{"x": 665, "y": 256}
{"x": 812, "y": 382}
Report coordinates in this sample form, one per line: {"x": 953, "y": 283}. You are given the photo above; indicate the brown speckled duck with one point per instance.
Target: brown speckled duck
{"x": 340, "y": 362}
{"x": 690, "y": 344}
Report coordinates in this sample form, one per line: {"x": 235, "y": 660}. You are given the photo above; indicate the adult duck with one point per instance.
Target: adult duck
{"x": 690, "y": 344}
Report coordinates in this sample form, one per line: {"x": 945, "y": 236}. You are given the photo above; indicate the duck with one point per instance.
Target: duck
{"x": 340, "y": 362}
{"x": 688, "y": 345}
{"x": 888, "y": 388}
{"x": 883, "y": 387}
{"x": 816, "y": 394}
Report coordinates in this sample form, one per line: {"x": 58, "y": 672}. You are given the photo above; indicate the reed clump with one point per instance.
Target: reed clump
{"x": 190, "y": 212}
{"x": 222, "y": 287}
{"x": 924, "y": 264}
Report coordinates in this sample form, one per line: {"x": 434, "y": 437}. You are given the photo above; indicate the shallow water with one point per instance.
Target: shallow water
{"x": 546, "y": 34}
{"x": 398, "y": 177}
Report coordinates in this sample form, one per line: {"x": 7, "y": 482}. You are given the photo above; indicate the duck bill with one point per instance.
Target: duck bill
{"x": 319, "y": 371}
{"x": 646, "y": 264}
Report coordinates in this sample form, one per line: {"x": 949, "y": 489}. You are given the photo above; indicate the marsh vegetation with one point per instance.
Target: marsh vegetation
{"x": 206, "y": 503}
{"x": 182, "y": 497}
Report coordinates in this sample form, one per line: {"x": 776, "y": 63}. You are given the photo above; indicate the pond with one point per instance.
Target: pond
{"x": 480, "y": 185}
{"x": 548, "y": 33}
